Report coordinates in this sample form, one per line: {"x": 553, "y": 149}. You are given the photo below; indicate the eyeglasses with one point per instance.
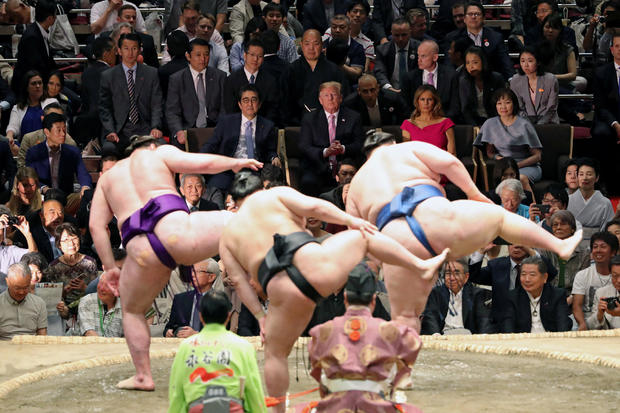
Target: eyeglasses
{"x": 474, "y": 14}
{"x": 249, "y": 100}
{"x": 449, "y": 273}
{"x": 72, "y": 240}
{"x": 552, "y": 201}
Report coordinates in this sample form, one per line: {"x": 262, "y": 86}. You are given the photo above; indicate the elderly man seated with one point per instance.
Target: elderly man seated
{"x": 457, "y": 307}
{"x": 99, "y": 314}
{"x": 607, "y": 315}
{"x": 536, "y": 306}
{"x": 193, "y": 188}
{"x": 20, "y": 311}
{"x": 511, "y": 193}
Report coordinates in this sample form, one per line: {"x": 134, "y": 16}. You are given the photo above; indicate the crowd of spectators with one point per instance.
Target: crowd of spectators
{"x": 333, "y": 69}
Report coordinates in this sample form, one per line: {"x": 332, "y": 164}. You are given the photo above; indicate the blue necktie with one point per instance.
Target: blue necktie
{"x": 249, "y": 143}
{"x": 252, "y": 79}
{"x": 402, "y": 66}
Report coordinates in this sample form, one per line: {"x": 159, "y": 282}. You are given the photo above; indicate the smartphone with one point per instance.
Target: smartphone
{"x": 543, "y": 208}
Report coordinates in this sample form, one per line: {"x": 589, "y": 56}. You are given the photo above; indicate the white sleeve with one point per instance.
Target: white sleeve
{"x": 15, "y": 121}
{"x": 97, "y": 11}
{"x": 592, "y": 321}
{"x": 579, "y": 283}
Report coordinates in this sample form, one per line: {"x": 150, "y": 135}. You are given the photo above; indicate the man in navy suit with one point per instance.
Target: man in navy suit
{"x": 396, "y": 57}
{"x": 243, "y": 135}
{"x": 315, "y": 13}
{"x": 184, "y": 316}
{"x": 488, "y": 39}
{"x": 184, "y": 106}
{"x": 327, "y": 135}
{"x": 503, "y": 275}
{"x": 377, "y": 107}
{"x": 66, "y": 161}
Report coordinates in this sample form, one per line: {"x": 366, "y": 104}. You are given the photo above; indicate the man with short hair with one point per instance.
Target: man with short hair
{"x": 43, "y": 227}
{"x": 418, "y": 18}
{"x": 20, "y": 311}
{"x": 405, "y": 183}
{"x": 396, "y": 57}
{"x": 607, "y": 314}
{"x": 130, "y": 98}
{"x": 346, "y": 171}
{"x": 327, "y": 135}
{"x": 243, "y": 135}
{"x": 195, "y": 94}
{"x": 100, "y": 314}
{"x": 273, "y": 14}
{"x": 128, "y": 13}
{"x": 177, "y": 45}
{"x": 430, "y": 72}
{"x": 292, "y": 267}
{"x": 273, "y": 64}
{"x": 356, "y": 59}
{"x": 385, "y": 12}
{"x": 317, "y": 14}
{"x": 457, "y": 306}
{"x": 241, "y": 14}
{"x": 193, "y": 188}
{"x": 104, "y": 14}
{"x": 376, "y": 106}
{"x": 140, "y": 191}
{"x": 603, "y": 246}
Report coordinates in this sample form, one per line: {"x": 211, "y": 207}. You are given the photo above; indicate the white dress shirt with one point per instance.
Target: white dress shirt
{"x": 454, "y": 316}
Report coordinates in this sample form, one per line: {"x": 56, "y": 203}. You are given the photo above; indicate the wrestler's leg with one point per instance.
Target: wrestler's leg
{"x": 141, "y": 281}
{"x": 197, "y": 237}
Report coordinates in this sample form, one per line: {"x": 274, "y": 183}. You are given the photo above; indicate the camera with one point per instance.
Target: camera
{"x": 543, "y": 208}
{"x": 12, "y": 221}
{"x": 602, "y": 19}
{"x": 612, "y": 302}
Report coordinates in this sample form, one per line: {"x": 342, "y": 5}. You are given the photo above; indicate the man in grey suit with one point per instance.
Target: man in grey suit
{"x": 130, "y": 98}
{"x": 196, "y": 93}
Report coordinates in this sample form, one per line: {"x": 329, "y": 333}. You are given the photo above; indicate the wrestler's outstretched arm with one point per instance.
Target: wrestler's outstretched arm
{"x": 445, "y": 163}
{"x": 186, "y": 162}
{"x": 100, "y": 216}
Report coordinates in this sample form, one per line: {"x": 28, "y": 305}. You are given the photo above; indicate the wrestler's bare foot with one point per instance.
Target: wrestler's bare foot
{"x": 133, "y": 383}
{"x": 569, "y": 244}
{"x": 432, "y": 265}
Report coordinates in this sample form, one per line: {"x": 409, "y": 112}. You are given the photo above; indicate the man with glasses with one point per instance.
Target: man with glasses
{"x": 554, "y": 199}
{"x": 457, "y": 307}
{"x": 488, "y": 39}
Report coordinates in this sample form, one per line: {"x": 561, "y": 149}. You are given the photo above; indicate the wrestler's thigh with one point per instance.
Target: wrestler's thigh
{"x": 289, "y": 313}
{"x": 407, "y": 292}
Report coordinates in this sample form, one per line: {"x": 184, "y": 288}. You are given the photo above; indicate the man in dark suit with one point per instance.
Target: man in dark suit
{"x": 457, "y": 304}
{"x": 430, "y": 72}
{"x": 396, "y": 57}
{"x": 130, "y": 98}
{"x": 376, "y": 106}
{"x": 66, "y": 161}
{"x": 192, "y": 188}
{"x": 503, "y": 275}
{"x": 43, "y": 224}
{"x": 128, "y": 13}
{"x": 243, "y": 135}
{"x": 488, "y": 39}
{"x": 195, "y": 94}
{"x": 33, "y": 51}
{"x": 251, "y": 73}
{"x": 272, "y": 63}
{"x": 315, "y": 15}
{"x": 606, "y": 128}
{"x": 184, "y": 316}
{"x": 177, "y": 44}
{"x": 383, "y": 15}
{"x": 327, "y": 135}
{"x": 536, "y": 306}
{"x": 8, "y": 167}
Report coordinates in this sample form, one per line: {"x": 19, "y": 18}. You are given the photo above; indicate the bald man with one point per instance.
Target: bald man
{"x": 377, "y": 107}
{"x": 398, "y": 188}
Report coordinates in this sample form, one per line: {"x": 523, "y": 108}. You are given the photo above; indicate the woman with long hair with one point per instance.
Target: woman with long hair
{"x": 26, "y": 195}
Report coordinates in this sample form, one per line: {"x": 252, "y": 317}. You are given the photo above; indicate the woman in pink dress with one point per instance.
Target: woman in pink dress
{"x": 427, "y": 123}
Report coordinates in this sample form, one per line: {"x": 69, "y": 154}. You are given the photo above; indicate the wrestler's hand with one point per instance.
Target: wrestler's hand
{"x": 360, "y": 224}
{"x": 110, "y": 278}
{"x": 252, "y": 164}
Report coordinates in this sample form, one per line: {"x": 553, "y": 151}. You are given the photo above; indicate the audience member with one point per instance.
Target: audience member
{"x": 10, "y": 254}
{"x": 301, "y": 80}
{"x": 507, "y": 168}
{"x": 193, "y": 188}
{"x": 26, "y": 196}
{"x": 427, "y": 122}
{"x": 55, "y": 89}
{"x": 346, "y": 171}
{"x": 376, "y": 106}
{"x": 33, "y": 51}
{"x": 508, "y": 134}
{"x": 57, "y": 164}
{"x": 430, "y": 72}
{"x": 195, "y": 94}
{"x": 317, "y": 14}
{"x": 273, "y": 65}
{"x": 37, "y": 263}
{"x": 457, "y": 306}
{"x": 252, "y": 74}
{"x": 451, "y": 17}
{"x": 218, "y": 57}
{"x": 588, "y": 204}
{"x": 243, "y": 135}
{"x": 603, "y": 246}
{"x": 456, "y": 53}
{"x": 536, "y": 306}
{"x": 556, "y": 199}
{"x": 8, "y": 169}
{"x": 271, "y": 174}
{"x": 253, "y": 30}
{"x": 534, "y": 31}
{"x": 20, "y": 311}
{"x": 327, "y": 135}
{"x": 104, "y": 14}
{"x": 18, "y": 12}
{"x": 418, "y": 19}
{"x": 241, "y": 14}
{"x": 100, "y": 314}
{"x": 613, "y": 227}
{"x": 396, "y": 57}
{"x": 569, "y": 172}
{"x": 177, "y": 45}
{"x": 27, "y": 113}
{"x": 43, "y": 227}
{"x": 385, "y": 12}
{"x": 511, "y": 194}
{"x": 215, "y": 349}
{"x": 536, "y": 90}
{"x": 273, "y": 14}
{"x": 185, "y": 314}
{"x": 476, "y": 87}
{"x": 130, "y": 98}
{"x": 598, "y": 39}
{"x": 607, "y": 315}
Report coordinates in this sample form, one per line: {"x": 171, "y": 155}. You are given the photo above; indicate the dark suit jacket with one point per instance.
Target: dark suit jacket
{"x": 493, "y": 46}
{"x": 149, "y": 53}
{"x": 174, "y": 65}
{"x": 314, "y": 137}
{"x": 383, "y": 15}
{"x": 205, "y": 205}
{"x": 314, "y": 14}
{"x": 32, "y": 55}
{"x": 446, "y": 87}
{"x": 182, "y": 102}
{"x": 181, "y": 312}
{"x": 8, "y": 166}
{"x": 274, "y": 66}
{"x": 553, "y": 311}
{"x": 226, "y": 138}
{"x": 114, "y": 98}
{"x": 497, "y": 275}
{"x": 267, "y": 88}
{"x": 467, "y": 97}
{"x": 386, "y": 56}
{"x": 606, "y": 100}
{"x": 91, "y": 82}
{"x": 39, "y": 234}
{"x": 71, "y": 164}
{"x": 476, "y": 315}
{"x": 391, "y": 107}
